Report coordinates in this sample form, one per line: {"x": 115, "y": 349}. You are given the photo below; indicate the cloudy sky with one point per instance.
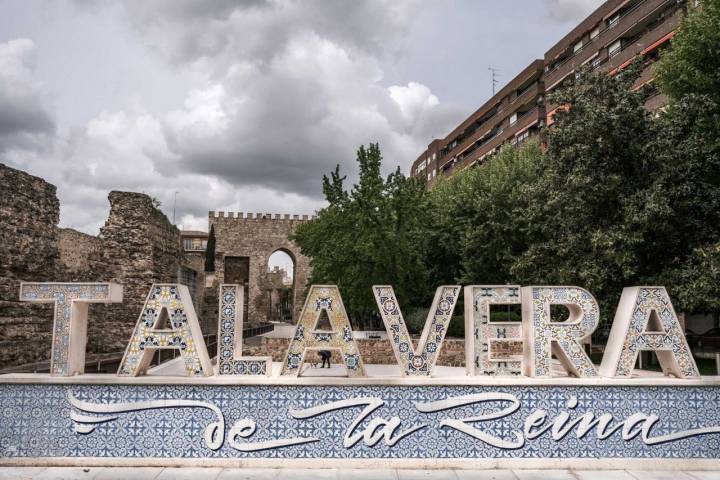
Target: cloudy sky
{"x": 243, "y": 105}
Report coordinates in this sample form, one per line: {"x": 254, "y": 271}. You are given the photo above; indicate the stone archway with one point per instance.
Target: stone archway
{"x": 279, "y": 286}
{"x": 255, "y": 238}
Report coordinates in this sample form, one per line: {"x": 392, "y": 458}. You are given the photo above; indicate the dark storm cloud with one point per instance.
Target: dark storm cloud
{"x": 24, "y": 121}
{"x": 227, "y": 32}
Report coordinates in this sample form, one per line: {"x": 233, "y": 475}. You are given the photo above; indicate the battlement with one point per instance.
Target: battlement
{"x": 260, "y": 216}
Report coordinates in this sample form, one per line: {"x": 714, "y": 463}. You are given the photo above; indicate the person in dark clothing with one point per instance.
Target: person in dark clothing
{"x": 325, "y": 357}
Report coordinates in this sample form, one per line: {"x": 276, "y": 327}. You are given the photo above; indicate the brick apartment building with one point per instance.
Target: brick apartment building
{"x": 609, "y": 39}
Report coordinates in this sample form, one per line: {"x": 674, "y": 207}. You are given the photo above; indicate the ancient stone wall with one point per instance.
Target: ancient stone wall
{"x": 136, "y": 247}
{"x": 139, "y": 247}
{"x": 79, "y": 256}
{"x": 29, "y": 214}
{"x": 256, "y": 238}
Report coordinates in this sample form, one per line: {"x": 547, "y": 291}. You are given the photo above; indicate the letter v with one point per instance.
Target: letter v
{"x": 421, "y": 360}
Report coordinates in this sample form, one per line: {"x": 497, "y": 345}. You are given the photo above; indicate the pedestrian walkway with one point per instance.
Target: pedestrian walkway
{"x": 152, "y": 473}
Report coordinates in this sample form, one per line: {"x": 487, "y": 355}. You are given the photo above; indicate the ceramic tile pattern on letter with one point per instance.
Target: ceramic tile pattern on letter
{"x": 69, "y": 335}
{"x": 420, "y": 360}
{"x": 481, "y": 335}
{"x": 323, "y": 298}
{"x": 629, "y": 335}
{"x": 171, "y": 301}
{"x": 544, "y": 337}
{"x": 230, "y": 337}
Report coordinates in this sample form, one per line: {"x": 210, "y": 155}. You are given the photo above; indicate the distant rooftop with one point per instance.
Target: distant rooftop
{"x": 193, "y": 233}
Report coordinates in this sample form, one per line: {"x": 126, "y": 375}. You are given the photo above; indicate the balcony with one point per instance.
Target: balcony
{"x": 466, "y": 146}
{"x": 534, "y": 115}
{"x": 631, "y": 51}
{"x": 632, "y": 17}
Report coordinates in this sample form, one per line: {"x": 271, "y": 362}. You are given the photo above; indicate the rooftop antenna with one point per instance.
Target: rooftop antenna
{"x": 174, "y": 205}
{"x": 494, "y": 72}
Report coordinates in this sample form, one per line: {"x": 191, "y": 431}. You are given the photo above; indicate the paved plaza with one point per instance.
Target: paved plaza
{"x": 151, "y": 473}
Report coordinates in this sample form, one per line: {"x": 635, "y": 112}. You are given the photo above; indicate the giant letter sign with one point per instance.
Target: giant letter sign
{"x": 483, "y": 337}
{"x": 418, "y": 361}
{"x": 323, "y": 298}
{"x": 640, "y": 308}
{"x": 172, "y": 302}
{"x": 69, "y": 335}
{"x": 544, "y": 337}
{"x": 230, "y": 337}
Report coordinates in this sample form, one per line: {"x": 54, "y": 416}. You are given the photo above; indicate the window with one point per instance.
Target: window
{"x": 513, "y": 118}
{"x": 195, "y": 244}
{"x": 614, "y": 20}
{"x": 595, "y": 32}
{"x": 578, "y": 46}
{"x": 522, "y": 137}
{"x": 429, "y": 176}
{"x": 596, "y": 63}
{"x": 615, "y": 48}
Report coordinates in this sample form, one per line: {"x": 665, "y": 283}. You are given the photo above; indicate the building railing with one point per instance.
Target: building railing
{"x": 501, "y": 136}
{"x": 634, "y": 49}
{"x": 608, "y": 63}
{"x": 497, "y": 119}
{"x": 606, "y": 36}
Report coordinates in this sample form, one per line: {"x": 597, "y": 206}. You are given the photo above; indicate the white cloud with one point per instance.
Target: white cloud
{"x": 287, "y": 90}
{"x": 571, "y": 10}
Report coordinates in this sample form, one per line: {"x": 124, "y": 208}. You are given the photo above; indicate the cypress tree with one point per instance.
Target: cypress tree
{"x": 210, "y": 251}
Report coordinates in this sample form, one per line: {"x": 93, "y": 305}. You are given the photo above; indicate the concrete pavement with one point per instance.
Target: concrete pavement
{"x": 158, "y": 473}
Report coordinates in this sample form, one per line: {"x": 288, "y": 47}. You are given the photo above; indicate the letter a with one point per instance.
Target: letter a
{"x": 172, "y": 302}
{"x": 69, "y": 335}
{"x": 421, "y": 360}
{"x": 640, "y": 308}
{"x": 323, "y": 298}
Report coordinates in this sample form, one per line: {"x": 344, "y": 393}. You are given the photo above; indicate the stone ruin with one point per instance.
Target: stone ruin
{"x": 136, "y": 247}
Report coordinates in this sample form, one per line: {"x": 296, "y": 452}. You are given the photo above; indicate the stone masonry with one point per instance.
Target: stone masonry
{"x": 255, "y": 238}
{"x": 139, "y": 247}
{"x": 136, "y": 247}
{"x": 29, "y": 213}
{"x": 79, "y": 255}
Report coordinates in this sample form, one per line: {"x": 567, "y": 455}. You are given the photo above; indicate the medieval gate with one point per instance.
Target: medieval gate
{"x": 244, "y": 243}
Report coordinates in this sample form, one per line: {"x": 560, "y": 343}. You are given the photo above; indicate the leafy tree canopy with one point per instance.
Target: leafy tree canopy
{"x": 692, "y": 65}
{"x": 371, "y": 234}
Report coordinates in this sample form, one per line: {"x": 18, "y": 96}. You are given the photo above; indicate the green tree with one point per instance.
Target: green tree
{"x": 371, "y": 234}
{"x": 692, "y": 65}
{"x": 680, "y": 212}
{"x": 578, "y": 206}
{"x": 686, "y": 189}
{"x": 478, "y": 225}
{"x": 210, "y": 251}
